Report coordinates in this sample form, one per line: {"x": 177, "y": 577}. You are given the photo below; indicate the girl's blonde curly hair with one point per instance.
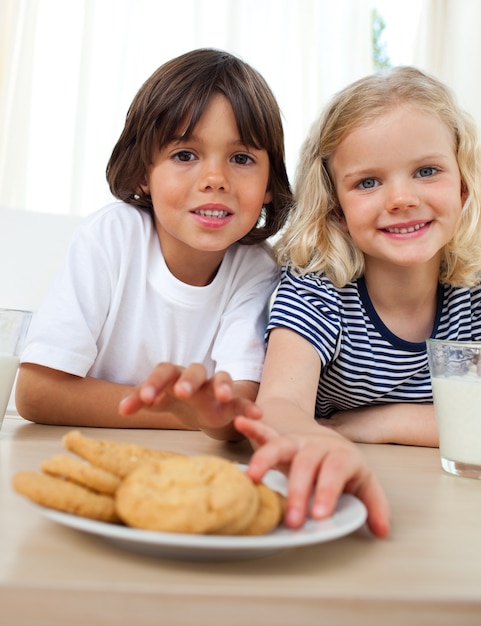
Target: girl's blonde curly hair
{"x": 314, "y": 239}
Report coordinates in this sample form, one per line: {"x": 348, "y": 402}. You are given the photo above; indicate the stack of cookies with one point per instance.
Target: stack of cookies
{"x": 152, "y": 489}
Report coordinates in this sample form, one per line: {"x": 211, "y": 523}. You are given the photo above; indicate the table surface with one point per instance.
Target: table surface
{"x": 428, "y": 571}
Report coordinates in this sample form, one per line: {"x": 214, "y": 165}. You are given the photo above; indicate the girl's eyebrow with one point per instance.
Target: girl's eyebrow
{"x": 364, "y": 172}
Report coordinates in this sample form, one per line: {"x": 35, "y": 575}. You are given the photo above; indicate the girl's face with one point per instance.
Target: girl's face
{"x": 399, "y": 186}
{"x": 207, "y": 190}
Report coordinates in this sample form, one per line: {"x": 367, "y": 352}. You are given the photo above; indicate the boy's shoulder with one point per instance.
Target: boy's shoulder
{"x": 116, "y": 212}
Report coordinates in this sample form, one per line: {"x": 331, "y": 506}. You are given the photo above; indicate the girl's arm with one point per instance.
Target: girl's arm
{"x": 408, "y": 424}
{"x": 50, "y": 396}
{"x": 318, "y": 461}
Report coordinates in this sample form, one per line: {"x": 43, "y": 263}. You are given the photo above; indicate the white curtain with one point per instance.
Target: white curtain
{"x": 449, "y": 47}
{"x": 70, "y": 68}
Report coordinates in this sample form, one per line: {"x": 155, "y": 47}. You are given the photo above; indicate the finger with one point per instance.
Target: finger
{"x": 130, "y": 404}
{"x": 254, "y": 430}
{"x": 373, "y": 496}
{"x": 161, "y": 377}
{"x": 190, "y": 380}
{"x": 223, "y": 386}
{"x": 274, "y": 454}
{"x": 335, "y": 473}
{"x": 302, "y": 478}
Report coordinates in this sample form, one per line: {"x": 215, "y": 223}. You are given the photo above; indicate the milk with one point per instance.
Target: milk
{"x": 457, "y": 403}
{"x": 8, "y": 370}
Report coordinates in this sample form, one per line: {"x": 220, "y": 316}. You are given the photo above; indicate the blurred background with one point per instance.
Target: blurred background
{"x": 69, "y": 70}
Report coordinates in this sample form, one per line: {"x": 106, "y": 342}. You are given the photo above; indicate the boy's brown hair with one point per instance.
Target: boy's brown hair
{"x": 176, "y": 96}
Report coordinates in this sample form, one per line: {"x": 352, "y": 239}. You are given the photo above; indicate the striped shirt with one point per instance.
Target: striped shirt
{"x": 362, "y": 361}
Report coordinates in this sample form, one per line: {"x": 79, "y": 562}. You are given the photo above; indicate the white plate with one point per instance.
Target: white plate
{"x": 349, "y": 515}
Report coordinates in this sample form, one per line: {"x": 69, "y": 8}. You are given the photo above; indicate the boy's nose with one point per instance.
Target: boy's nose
{"x": 213, "y": 176}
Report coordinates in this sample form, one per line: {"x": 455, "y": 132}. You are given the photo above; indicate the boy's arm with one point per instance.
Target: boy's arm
{"x": 49, "y": 396}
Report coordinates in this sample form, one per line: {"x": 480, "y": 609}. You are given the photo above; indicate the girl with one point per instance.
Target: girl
{"x": 382, "y": 251}
{"x": 177, "y": 271}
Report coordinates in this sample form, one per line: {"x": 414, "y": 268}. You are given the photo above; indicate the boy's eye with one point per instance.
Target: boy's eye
{"x": 367, "y": 183}
{"x": 242, "y": 159}
{"x": 425, "y": 172}
{"x": 184, "y": 155}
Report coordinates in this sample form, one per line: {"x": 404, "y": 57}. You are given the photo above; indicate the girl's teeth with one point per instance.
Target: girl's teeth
{"x": 402, "y": 231}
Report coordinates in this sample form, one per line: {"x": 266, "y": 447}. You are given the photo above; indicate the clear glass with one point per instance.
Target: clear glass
{"x": 455, "y": 368}
{"x": 13, "y": 330}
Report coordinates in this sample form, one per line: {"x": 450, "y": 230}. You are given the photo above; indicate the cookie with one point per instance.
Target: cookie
{"x": 85, "y": 474}
{"x": 115, "y": 457}
{"x": 63, "y": 495}
{"x": 198, "y": 494}
{"x": 269, "y": 513}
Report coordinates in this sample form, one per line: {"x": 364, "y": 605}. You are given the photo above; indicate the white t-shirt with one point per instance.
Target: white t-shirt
{"x": 114, "y": 311}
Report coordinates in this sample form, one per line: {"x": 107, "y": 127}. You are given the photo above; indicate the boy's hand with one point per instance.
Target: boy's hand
{"x": 209, "y": 404}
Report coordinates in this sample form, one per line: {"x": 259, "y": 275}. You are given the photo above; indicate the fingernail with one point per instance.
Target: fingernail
{"x": 147, "y": 393}
{"x": 294, "y": 517}
{"x": 319, "y": 511}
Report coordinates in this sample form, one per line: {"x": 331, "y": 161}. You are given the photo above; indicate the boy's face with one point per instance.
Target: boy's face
{"x": 207, "y": 190}
{"x": 399, "y": 186}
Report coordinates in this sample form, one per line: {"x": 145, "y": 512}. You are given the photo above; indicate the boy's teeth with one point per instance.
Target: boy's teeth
{"x": 410, "y": 229}
{"x": 209, "y": 213}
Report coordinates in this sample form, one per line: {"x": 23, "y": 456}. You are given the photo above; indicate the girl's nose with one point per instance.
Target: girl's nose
{"x": 401, "y": 196}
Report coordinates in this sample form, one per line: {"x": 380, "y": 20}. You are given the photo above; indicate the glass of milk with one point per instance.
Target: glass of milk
{"x": 13, "y": 330}
{"x": 455, "y": 368}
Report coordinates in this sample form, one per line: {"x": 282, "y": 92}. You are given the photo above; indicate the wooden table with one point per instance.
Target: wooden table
{"x": 427, "y": 572}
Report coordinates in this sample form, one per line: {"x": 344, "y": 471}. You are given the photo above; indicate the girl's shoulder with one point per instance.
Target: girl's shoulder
{"x": 317, "y": 291}
{"x": 318, "y": 282}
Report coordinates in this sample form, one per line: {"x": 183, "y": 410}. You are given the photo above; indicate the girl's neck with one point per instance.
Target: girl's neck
{"x": 405, "y": 299}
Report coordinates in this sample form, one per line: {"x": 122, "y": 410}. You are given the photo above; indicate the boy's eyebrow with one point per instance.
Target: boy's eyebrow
{"x": 194, "y": 138}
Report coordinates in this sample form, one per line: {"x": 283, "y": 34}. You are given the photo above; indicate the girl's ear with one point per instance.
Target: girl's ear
{"x": 268, "y": 198}
{"x": 342, "y": 220}
{"x": 464, "y": 192}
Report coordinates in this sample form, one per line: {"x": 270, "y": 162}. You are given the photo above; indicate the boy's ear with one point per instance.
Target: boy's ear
{"x": 144, "y": 185}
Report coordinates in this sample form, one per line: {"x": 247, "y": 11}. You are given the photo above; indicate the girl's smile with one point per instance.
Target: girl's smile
{"x": 407, "y": 229}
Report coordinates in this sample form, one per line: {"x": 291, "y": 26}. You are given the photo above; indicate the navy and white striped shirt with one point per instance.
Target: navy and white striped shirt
{"x": 362, "y": 361}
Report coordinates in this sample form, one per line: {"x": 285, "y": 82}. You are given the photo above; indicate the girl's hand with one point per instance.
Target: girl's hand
{"x": 323, "y": 465}
{"x": 208, "y": 404}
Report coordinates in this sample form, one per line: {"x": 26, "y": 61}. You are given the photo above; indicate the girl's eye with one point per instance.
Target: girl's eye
{"x": 243, "y": 159}
{"x": 367, "y": 183}
{"x": 425, "y": 172}
{"x": 184, "y": 156}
